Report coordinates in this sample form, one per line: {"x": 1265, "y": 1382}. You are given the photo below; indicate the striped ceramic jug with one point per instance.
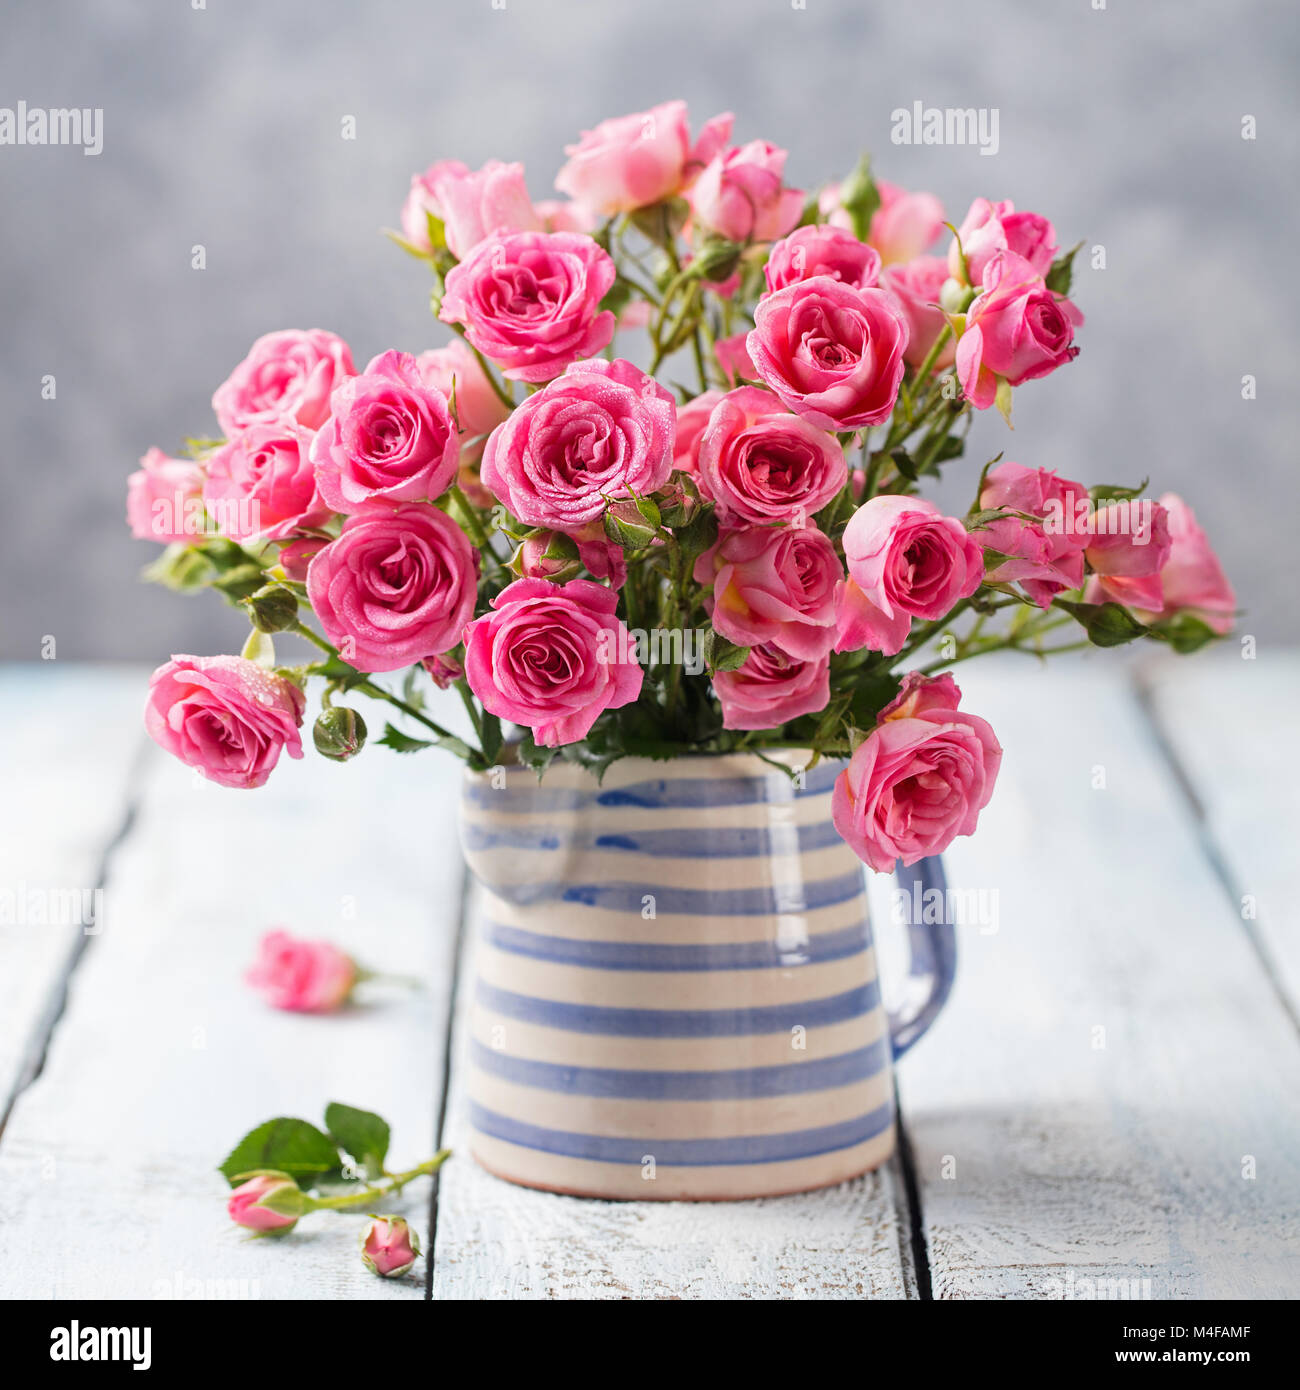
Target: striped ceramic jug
{"x": 676, "y": 992}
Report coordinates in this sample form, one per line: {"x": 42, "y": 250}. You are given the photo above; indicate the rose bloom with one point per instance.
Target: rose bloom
{"x": 691, "y": 420}
{"x": 552, "y": 657}
{"x": 906, "y": 560}
{"x": 903, "y": 227}
{"x": 296, "y": 555}
{"x": 286, "y": 376}
{"x": 245, "y": 1208}
{"x": 389, "y": 1247}
{"x": 1044, "y": 557}
{"x": 390, "y": 438}
{"x": 602, "y": 430}
{"x": 916, "y": 286}
{"x": 301, "y": 976}
{"x": 1017, "y": 329}
{"x": 1127, "y": 547}
{"x": 475, "y": 204}
{"x": 632, "y": 161}
{"x": 226, "y": 717}
{"x": 919, "y": 779}
{"x": 530, "y": 301}
{"x": 822, "y": 250}
{"x": 833, "y": 354}
{"x": 759, "y": 463}
{"x": 161, "y": 496}
{"x": 992, "y": 227}
{"x": 263, "y": 484}
{"x": 771, "y": 688}
{"x": 424, "y": 199}
{"x": 733, "y": 357}
{"x": 1192, "y": 580}
{"x": 560, "y": 216}
{"x": 774, "y": 584}
{"x": 740, "y": 196}
{"x": 398, "y": 585}
{"x": 478, "y": 408}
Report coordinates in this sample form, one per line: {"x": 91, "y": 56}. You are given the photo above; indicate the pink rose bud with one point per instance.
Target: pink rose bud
{"x": 548, "y": 555}
{"x": 263, "y": 484}
{"x": 917, "y": 286}
{"x": 992, "y": 227}
{"x": 822, "y": 250}
{"x": 302, "y": 976}
{"x": 473, "y": 205}
{"x": 268, "y": 1203}
{"x": 423, "y": 200}
{"x": 832, "y": 353}
{"x": 286, "y": 376}
{"x": 552, "y": 657}
{"x": 444, "y": 671}
{"x": 389, "y": 1247}
{"x": 1192, "y": 580}
{"x": 1045, "y": 557}
{"x": 1017, "y": 329}
{"x": 903, "y": 227}
{"x": 918, "y": 780}
{"x": 906, "y": 560}
{"x": 740, "y": 196}
{"x": 770, "y": 689}
{"x": 228, "y": 718}
{"x": 164, "y": 499}
{"x": 530, "y": 301}
{"x": 1127, "y": 547}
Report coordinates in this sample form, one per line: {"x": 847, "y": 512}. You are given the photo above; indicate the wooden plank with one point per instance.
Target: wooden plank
{"x": 496, "y": 1240}
{"x": 1232, "y": 729}
{"x": 164, "y": 1057}
{"x": 1110, "y": 1094}
{"x": 68, "y": 737}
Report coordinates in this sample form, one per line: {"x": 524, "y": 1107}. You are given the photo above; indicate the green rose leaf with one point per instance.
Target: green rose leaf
{"x": 1185, "y": 632}
{"x": 1061, "y": 274}
{"x": 1107, "y": 624}
{"x": 360, "y": 1133}
{"x": 287, "y": 1145}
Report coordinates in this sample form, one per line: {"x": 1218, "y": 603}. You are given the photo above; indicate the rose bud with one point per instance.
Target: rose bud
{"x": 302, "y": 976}
{"x": 547, "y": 555}
{"x": 632, "y": 522}
{"x": 269, "y": 1203}
{"x": 444, "y": 670}
{"x": 272, "y": 608}
{"x": 389, "y": 1247}
{"x": 339, "y": 734}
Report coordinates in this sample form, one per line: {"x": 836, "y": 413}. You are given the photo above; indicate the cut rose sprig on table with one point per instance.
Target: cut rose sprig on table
{"x": 287, "y": 1169}
{"x": 312, "y": 977}
{"x": 727, "y": 552}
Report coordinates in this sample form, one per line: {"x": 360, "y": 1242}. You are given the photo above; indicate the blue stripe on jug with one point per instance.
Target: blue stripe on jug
{"x": 637, "y": 955}
{"x": 799, "y": 896}
{"x": 701, "y": 842}
{"x": 687, "y": 1153}
{"x": 679, "y": 1023}
{"x": 741, "y": 1083}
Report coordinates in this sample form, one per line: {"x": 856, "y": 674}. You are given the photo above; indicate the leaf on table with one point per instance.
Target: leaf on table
{"x": 289, "y": 1145}
{"x": 360, "y": 1133}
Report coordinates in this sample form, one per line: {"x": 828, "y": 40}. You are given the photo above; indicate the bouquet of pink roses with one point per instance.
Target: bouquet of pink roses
{"x": 618, "y": 561}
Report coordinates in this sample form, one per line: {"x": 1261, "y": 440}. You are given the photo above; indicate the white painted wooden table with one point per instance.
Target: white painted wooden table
{"x": 1111, "y": 1093}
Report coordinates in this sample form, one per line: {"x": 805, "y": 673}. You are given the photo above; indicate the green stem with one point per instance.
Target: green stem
{"x": 377, "y": 692}
{"x": 474, "y": 523}
{"x": 395, "y": 1183}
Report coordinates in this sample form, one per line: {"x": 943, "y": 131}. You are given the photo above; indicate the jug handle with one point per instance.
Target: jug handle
{"x": 932, "y": 951}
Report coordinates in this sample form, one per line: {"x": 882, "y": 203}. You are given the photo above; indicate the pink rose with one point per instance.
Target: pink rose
{"x": 822, "y": 250}
{"x": 530, "y": 301}
{"x": 398, "y": 585}
{"x": 903, "y": 227}
{"x": 833, "y": 354}
{"x": 552, "y": 657}
{"x": 603, "y": 559}
{"x": 602, "y": 430}
{"x": 389, "y": 438}
{"x": 1017, "y": 329}
{"x": 479, "y": 410}
{"x": 164, "y": 499}
{"x": 774, "y": 584}
{"x": 1044, "y": 557}
{"x": 389, "y": 1247}
{"x": 247, "y": 1205}
{"x": 740, "y": 196}
{"x": 916, "y": 285}
{"x": 262, "y": 483}
{"x": 474, "y": 205}
{"x": 733, "y": 357}
{"x": 691, "y": 420}
{"x": 224, "y": 716}
{"x": 632, "y": 161}
{"x": 297, "y": 555}
{"x": 286, "y": 376}
{"x": 771, "y": 689}
{"x": 443, "y": 671}
{"x": 992, "y": 227}
{"x": 313, "y": 977}
{"x": 1192, "y": 580}
{"x": 424, "y": 199}
{"x": 906, "y": 560}
{"x": 918, "y": 780}
{"x": 759, "y": 463}
{"x": 1127, "y": 547}
{"x": 559, "y": 216}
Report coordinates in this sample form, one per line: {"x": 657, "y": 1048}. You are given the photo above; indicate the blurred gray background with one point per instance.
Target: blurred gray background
{"x": 222, "y": 127}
